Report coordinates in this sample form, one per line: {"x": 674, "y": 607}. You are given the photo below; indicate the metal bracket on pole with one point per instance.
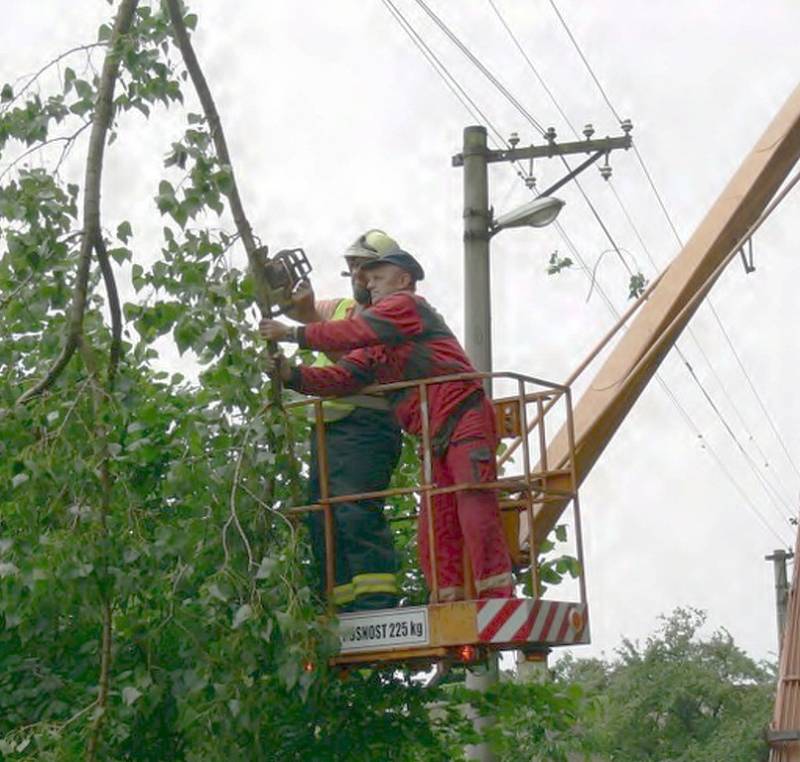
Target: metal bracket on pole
{"x": 604, "y": 145}
{"x": 747, "y": 258}
{"x": 574, "y": 173}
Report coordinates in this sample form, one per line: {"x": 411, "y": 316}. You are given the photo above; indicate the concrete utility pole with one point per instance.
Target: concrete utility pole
{"x": 479, "y": 227}
{"x": 477, "y": 273}
{"x": 779, "y": 559}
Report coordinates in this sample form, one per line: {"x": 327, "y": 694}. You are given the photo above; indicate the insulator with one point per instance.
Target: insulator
{"x": 626, "y": 125}
{"x": 605, "y": 170}
{"x": 550, "y": 135}
{"x": 513, "y": 139}
{"x": 588, "y": 131}
{"x": 530, "y": 182}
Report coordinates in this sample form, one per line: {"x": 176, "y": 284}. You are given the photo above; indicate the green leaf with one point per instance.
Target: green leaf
{"x": 243, "y": 613}
{"x": 120, "y": 254}
{"x": 6, "y": 94}
{"x": 124, "y": 231}
{"x": 69, "y": 79}
{"x": 266, "y": 567}
{"x": 130, "y": 694}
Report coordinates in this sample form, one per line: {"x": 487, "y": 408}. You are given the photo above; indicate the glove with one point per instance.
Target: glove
{"x": 277, "y": 363}
{"x": 274, "y": 330}
{"x": 303, "y": 308}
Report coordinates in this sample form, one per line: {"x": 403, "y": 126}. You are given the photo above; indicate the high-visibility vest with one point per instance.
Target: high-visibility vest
{"x": 336, "y": 409}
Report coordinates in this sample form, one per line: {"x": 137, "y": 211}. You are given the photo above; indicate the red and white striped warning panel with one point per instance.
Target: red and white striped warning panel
{"x": 525, "y": 620}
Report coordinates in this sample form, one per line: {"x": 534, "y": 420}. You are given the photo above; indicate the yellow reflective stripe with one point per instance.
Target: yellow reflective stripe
{"x": 497, "y": 580}
{"x": 333, "y": 410}
{"x": 343, "y": 594}
{"x": 449, "y": 594}
{"x": 374, "y": 583}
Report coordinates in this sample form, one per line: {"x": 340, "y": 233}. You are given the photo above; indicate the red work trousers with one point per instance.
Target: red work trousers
{"x": 467, "y": 518}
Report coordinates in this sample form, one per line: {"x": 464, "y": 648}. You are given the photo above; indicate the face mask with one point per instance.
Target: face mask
{"x": 361, "y": 295}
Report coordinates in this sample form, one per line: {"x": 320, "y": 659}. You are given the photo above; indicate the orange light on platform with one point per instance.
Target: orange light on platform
{"x": 576, "y": 620}
{"x": 467, "y": 653}
{"x": 309, "y": 666}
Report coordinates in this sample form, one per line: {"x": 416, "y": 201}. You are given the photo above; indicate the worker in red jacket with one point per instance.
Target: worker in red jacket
{"x": 401, "y": 337}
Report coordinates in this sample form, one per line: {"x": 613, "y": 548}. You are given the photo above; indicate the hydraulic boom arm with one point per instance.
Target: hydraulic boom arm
{"x": 673, "y": 301}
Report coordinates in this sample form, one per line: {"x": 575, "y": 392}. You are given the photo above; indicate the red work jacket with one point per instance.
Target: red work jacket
{"x": 398, "y": 339}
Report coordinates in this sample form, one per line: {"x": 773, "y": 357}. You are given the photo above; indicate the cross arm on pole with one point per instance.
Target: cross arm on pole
{"x": 550, "y": 149}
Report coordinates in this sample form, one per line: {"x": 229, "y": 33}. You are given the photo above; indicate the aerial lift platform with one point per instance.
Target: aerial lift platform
{"x": 537, "y": 495}
{"x": 466, "y": 631}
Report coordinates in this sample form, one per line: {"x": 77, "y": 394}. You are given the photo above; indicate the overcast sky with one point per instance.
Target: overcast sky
{"x": 336, "y": 123}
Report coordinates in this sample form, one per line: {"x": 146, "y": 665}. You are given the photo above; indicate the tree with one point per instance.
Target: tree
{"x": 155, "y": 593}
{"x": 679, "y": 697}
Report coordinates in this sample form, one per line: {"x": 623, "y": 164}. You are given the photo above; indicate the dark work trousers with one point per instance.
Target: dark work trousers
{"x": 363, "y": 449}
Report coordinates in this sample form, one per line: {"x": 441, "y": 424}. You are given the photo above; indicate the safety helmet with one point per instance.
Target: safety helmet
{"x": 370, "y": 245}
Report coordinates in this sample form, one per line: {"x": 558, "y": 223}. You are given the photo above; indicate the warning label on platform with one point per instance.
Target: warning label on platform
{"x": 388, "y": 628}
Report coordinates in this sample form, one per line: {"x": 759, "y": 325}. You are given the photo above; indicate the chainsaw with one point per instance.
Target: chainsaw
{"x": 283, "y": 273}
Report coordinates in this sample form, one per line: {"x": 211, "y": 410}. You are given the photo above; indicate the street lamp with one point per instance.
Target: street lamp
{"x": 535, "y": 214}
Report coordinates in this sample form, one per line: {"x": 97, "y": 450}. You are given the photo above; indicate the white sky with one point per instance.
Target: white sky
{"x": 336, "y": 124}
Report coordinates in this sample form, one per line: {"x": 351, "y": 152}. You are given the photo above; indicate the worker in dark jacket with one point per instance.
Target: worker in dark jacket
{"x": 362, "y": 443}
{"x": 401, "y": 337}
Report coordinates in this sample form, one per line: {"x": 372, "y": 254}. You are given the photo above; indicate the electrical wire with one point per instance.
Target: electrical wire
{"x": 678, "y": 238}
{"x": 455, "y": 88}
{"x": 526, "y": 115}
{"x": 480, "y": 66}
{"x": 453, "y": 85}
{"x": 704, "y": 443}
{"x": 781, "y": 494}
{"x": 774, "y": 497}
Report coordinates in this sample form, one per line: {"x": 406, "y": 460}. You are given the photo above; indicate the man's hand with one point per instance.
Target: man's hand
{"x": 303, "y": 308}
{"x": 279, "y": 363}
{"x": 274, "y": 330}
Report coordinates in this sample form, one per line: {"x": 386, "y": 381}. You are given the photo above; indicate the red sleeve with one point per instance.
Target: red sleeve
{"x": 391, "y": 321}
{"x": 352, "y": 372}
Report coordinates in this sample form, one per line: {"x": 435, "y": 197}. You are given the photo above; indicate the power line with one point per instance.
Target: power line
{"x": 704, "y": 443}
{"x": 764, "y": 483}
{"x": 485, "y": 71}
{"x": 527, "y": 115}
{"x": 453, "y": 85}
{"x": 678, "y": 238}
{"x": 722, "y": 386}
{"x": 586, "y": 63}
{"x": 445, "y": 74}
{"x": 531, "y": 66}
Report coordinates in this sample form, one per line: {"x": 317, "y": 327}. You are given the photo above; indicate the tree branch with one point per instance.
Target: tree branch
{"x": 68, "y": 139}
{"x": 99, "y": 400}
{"x": 105, "y": 679}
{"x": 101, "y": 121}
{"x": 114, "y": 308}
{"x": 34, "y": 77}
{"x": 261, "y": 287}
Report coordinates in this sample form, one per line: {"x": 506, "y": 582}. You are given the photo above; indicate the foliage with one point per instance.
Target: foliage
{"x": 556, "y": 264}
{"x": 129, "y": 495}
{"x": 678, "y": 697}
{"x": 636, "y": 285}
{"x": 155, "y": 591}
